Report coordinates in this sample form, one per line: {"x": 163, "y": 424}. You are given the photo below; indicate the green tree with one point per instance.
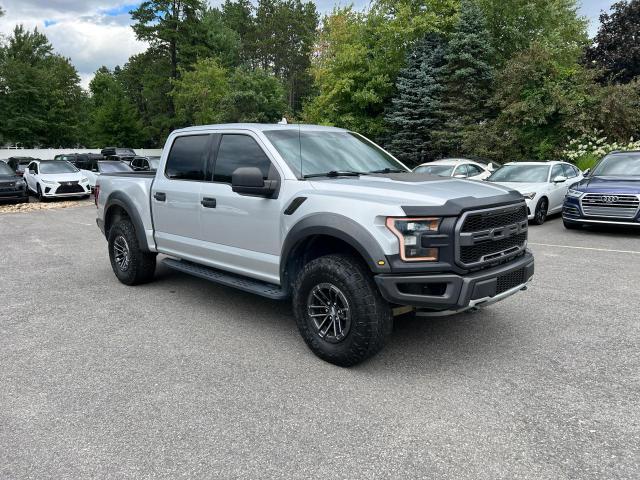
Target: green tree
{"x": 39, "y": 92}
{"x": 221, "y": 41}
{"x": 113, "y": 118}
{"x": 173, "y": 27}
{"x": 416, "y": 108}
{"x": 616, "y": 47}
{"x": 469, "y": 76}
{"x": 553, "y": 24}
{"x": 359, "y": 56}
{"x": 211, "y": 93}
{"x": 238, "y": 15}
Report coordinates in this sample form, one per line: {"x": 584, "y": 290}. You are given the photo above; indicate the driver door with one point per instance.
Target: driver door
{"x": 558, "y": 190}
{"x": 30, "y": 177}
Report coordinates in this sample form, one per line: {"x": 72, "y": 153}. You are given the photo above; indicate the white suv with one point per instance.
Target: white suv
{"x": 56, "y": 179}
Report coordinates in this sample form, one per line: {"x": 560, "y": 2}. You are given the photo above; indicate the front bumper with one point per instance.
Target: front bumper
{"x": 449, "y": 294}
{"x": 51, "y": 191}
{"x": 14, "y": 195}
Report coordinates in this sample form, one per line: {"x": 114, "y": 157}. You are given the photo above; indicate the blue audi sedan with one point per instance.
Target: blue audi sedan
{"x": 610, "y": 194}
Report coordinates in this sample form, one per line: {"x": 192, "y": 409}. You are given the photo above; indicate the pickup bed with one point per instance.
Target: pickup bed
{"x": 321, "y": 216}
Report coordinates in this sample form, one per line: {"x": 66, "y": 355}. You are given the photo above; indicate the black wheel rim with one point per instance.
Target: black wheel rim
{"x": 121, "y": 253}
{"x": 542, "y": 212}
{"x": 329, "y": 312}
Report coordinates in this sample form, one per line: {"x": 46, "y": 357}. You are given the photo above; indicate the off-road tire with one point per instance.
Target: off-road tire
{"x": 141, "y": 265}
{"x": 371, "y": 320}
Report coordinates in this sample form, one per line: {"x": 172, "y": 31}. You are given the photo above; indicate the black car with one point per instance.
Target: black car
{"x": 12, "y": 186}
{"x": 117, "y": 153}
{"x": 18, "y": 164}
{"x": 145, "y": 164}
{"x": 82, "y": 161}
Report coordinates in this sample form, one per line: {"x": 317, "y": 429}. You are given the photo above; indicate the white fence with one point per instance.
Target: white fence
{"x": 49, "y": 153}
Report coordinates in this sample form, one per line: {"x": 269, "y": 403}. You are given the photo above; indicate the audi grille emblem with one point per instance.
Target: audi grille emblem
{"x": 610, "y": 199}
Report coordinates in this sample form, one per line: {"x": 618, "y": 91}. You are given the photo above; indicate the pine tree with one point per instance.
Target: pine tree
{"x": 416, "y": 108}
{"x": 469, "y": 78}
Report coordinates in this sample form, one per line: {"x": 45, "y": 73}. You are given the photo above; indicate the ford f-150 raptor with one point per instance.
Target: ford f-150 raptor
{"x": 322, "y": 216}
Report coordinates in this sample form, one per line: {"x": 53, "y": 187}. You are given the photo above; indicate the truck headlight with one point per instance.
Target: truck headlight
{"x": 408, "y": 231}
{"x": 574, "y": 193}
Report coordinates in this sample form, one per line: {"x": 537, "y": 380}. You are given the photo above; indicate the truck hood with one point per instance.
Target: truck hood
{"x": 410, "y": 189}
{"x": 609, "y": 185}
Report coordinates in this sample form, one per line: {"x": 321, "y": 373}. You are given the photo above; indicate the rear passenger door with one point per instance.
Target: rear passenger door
{"x": 242, "y": 233}
{"x": 175, "y": 196}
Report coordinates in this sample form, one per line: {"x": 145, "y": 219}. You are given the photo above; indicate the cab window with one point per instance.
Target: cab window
{"x": 236, "y": 151}
{"x": 188, "y": 158}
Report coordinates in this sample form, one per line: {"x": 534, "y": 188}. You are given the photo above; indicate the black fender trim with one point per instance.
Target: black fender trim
{"x": 340, "y": 227}
{"x": 120, "y": 200}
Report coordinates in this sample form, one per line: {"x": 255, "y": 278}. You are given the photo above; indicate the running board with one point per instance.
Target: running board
{"x": 268, "y": 290}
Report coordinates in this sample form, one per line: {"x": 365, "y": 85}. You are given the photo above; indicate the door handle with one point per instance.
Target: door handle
{"x": 208, "y": 202}
{"x": 159, "y": 196}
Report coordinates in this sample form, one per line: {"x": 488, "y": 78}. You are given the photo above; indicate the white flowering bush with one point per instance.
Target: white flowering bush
{"x": 586, "y": 150}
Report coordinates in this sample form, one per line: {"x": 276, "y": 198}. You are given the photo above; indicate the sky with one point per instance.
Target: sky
{"x": 93, "y": 33}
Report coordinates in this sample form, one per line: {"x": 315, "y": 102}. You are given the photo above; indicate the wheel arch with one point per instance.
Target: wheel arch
{"x": 324, "y": 234}
{"x": 118, "y": 206}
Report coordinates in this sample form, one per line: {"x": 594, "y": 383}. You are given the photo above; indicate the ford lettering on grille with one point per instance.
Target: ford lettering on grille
{"x": 491, "y": 236}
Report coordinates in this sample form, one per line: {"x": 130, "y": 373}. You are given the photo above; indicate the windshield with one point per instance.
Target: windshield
{"x": 319, "y": 152}
{"x": 439, "y": 170}
{"x": 114, "y": 167}
{"x": 57, "y": 167}
{"x": 521, "y": 174}
{"x": 619, "y": 165}
{"x": 6, "y": 169}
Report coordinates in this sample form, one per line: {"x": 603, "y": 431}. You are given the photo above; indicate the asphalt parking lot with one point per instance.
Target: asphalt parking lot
{"x": 183, "y": 378}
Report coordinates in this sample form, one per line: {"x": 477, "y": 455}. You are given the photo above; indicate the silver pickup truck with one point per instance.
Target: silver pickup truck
{"x": 322, "y": 216}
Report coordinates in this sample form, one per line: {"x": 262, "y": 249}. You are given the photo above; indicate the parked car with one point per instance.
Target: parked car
{"x": 543, "y": 185}
{"x": 145, "y": 164}
{"x": 610, "y": 194}
{"x": 18, "y": 164}
{"x": 56, "y": 179}
{"x": 95, "y": 168}
{"x": 12, "y": 185}
{"x": 455, "y": 167}
{"x": 79, "y": 160}
{"x": 117, "y": 153}
{"x": 322, "y": 216}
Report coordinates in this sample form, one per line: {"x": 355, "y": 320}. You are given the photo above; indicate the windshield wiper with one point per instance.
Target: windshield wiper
{"x": 335, "y": 174}
{"x": 389, "y": 170}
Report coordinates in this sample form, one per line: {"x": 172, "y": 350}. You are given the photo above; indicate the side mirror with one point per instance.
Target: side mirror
{"x": 560, "y": 179}
{"x": 586, "y": 172}
{"x": 249, "y": 181}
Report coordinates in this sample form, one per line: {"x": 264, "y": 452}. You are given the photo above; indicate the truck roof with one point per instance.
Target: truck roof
{"x": 260, "y": 127}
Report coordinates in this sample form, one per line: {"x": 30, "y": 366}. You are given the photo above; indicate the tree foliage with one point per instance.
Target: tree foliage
{"x": 616, "y": 47}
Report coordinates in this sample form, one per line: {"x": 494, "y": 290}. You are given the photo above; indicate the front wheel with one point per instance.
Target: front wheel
{"x": 339, "y": 311}
{"x": 131, "y": 265}
{"x": 540, "y": 215}
{"x": 41, "y": 197}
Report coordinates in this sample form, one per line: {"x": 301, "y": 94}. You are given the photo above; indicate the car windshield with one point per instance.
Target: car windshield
{"x": 114, "y": 167}
{"x": 57, "y": 166}
{"x": 439, "y": 170}
{"x": 6, "y": 169}
{"x": 619, "y": 165}
{"x": 521, "y": 174}
{"x": 319, "y": 152}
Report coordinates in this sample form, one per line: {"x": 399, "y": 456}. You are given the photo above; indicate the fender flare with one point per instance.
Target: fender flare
{"x": 339, "y": 227}
{"x": 120, "y": 200}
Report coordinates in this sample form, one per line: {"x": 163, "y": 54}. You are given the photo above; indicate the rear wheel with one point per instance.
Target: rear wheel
{"x": 339, "y": 311}
{"x": 131, "y": 265}
{"x": 540, "y": 215}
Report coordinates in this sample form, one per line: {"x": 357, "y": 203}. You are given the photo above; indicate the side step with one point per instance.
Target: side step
{"x": 250, "y": 285}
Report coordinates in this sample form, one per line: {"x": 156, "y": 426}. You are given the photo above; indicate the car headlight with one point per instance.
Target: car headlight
{"x": 84, "y": 179}
{"x": 48, "y": 182}
{"x": 20, "y": 183}
{"x": 529, "y": 196}
{"x": 408, "y": 231}
{"x": 574, "y": 193}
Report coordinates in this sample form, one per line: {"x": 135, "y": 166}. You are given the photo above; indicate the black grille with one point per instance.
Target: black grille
{"x": 511, "y": 280}
{"x": 73, "y": 188}
{"x": 488, "y": 248}
{"x": 487, "y": 221}
{"x": 7, "y": 187}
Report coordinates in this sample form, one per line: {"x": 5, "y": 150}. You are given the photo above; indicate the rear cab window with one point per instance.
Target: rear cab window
{"x": 188, "y": 157}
